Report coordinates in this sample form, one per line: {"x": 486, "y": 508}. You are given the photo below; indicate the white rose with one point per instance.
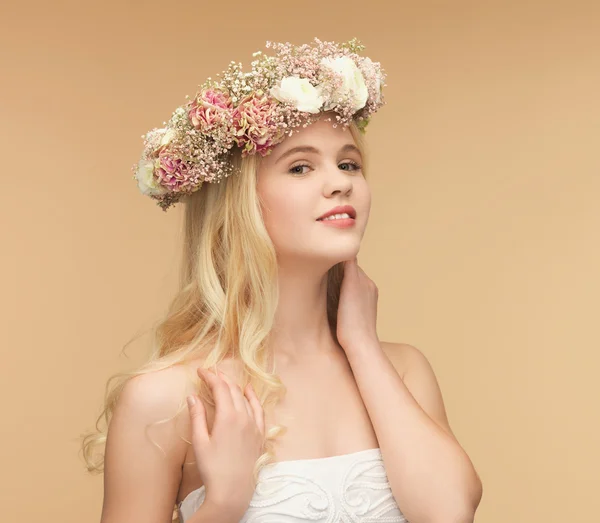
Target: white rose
{"x": 300, "y": 92}
{"x": 373, "y": 71}
{"x": 167, "y": 137}
{"x": 147, "y": 183}
{"x": 354, "y": 81}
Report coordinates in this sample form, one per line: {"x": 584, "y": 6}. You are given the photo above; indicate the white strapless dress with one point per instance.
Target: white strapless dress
{"x": 351, "y": 488}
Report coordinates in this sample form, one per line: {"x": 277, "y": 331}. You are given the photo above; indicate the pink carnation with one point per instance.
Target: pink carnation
{"x": 210, "y": 109}
{"x": 173, "y": 173}
{"x": 257, "y": 124}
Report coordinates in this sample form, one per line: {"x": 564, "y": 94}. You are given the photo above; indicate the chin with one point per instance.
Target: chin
{"x": 341, "y": 255}
{"x": 325, "y": 254}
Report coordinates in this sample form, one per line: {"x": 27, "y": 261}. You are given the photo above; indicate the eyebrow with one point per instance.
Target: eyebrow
{"x": 311, "y": 149}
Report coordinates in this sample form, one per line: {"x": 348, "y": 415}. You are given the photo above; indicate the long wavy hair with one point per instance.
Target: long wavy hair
{"x": 225, "y": 303}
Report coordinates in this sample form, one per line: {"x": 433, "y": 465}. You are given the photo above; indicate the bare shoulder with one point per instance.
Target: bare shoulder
{"x": 400, "y": 355}
{"x": 155, "y": 402}
{"x": 156, "y": 395}
{"x": 146, "y": 447}
{"x": 420, "y": 379}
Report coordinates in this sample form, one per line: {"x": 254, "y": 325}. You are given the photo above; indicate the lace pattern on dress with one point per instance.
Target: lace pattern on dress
{"x": 351, "y": 488}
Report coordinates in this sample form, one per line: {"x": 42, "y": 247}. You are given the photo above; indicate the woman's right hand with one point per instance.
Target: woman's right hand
{"x": 226, "y": 457}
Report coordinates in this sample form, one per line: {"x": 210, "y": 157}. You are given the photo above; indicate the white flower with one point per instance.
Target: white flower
{"x": 300, "y": 92}
{"x": 353, "y": 84}
{"x": 147, "y": 183}
{"x": 373, "y": 70}
{"x": 167, "y": 137}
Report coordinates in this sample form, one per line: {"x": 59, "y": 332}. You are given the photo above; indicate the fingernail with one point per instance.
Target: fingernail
{"x": 191, "y": 400}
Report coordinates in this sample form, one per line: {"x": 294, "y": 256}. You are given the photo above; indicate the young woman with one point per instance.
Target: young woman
{"x": 296, "y": 410}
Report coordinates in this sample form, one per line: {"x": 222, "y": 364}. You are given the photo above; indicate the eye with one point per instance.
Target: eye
{"x": 296, "y": 167}
{"x": 356, "y": 167}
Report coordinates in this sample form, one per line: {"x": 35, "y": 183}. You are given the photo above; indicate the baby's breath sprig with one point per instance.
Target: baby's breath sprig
{"x": 254, "y": 111}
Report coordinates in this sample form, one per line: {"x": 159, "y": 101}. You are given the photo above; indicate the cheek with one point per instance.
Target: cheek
{"x": 362, "y": 198}
{"x": 284, "y": 217}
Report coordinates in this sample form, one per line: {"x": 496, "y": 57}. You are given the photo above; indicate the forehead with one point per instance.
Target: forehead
{"x": 321, "y": 133}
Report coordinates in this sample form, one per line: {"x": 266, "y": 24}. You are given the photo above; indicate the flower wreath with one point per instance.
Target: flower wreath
{"x": 255, "y": 111}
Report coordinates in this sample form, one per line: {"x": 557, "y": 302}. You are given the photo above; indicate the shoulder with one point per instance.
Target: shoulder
{"x": 401, "y": 355}
{"x": 160, "y": 395}
{"x": 155, "y": 402}
{"x": 420, "y": 379}
{"x": 154, "y": 395}
{"x": 411, "y": 363}
{"x": 146, "y": 446}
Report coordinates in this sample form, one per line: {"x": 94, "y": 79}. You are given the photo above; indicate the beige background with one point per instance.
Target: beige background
{"x": 483, "y": 237}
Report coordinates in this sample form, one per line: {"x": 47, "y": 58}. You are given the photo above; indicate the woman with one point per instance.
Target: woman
{"x": 296, "y": 411}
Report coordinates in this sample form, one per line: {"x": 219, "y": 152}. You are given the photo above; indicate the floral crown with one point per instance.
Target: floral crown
{"x": 254, "y": 111}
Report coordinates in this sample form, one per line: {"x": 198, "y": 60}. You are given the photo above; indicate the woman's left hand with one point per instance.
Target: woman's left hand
{"x": 357, "y": 309}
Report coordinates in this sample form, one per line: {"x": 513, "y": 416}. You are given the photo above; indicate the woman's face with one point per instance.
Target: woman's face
{"x": 297, "y": 186}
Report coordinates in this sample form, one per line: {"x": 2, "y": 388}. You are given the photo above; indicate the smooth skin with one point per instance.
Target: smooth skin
{"x": 226, "y": 457}
{"x": 141, "y": 484}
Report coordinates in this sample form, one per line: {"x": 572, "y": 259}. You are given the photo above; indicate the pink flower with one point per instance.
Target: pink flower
{"x": 210, "y": 109}
{"x": 173, "y": 173}
{"x": 257, "y": 124}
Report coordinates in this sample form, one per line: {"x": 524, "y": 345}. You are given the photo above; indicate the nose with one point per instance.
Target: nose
{"x": 338, "y": 180}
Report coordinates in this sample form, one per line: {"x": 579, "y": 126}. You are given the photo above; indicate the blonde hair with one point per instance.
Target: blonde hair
{"x": 226, "y": 300}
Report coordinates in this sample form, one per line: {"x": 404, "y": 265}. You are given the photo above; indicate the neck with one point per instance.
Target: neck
{"x": 301, "y": 329}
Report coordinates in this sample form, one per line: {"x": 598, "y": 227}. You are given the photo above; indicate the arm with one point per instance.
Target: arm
{"x": 212, "y": 513}
{"x": 140, "y": 481}
{"x": 431, "y": 476}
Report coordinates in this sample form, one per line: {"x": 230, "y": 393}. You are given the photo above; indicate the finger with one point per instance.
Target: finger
{"x": 251, "y": 413}
{"x": 220, "y": 390}
{"x": 236, "y": 393}
{"x": 259, "y": 415}
{"x": 352, "y": 265}
{"x": 247, "y": 404}
{"x": 198, "y": 419}
{"x": 249, "y": 409}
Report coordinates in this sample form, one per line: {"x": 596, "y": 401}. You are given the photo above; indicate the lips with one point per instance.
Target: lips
{"x": 351, "y": 211}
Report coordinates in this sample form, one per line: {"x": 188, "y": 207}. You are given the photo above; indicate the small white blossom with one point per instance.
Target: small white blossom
{"x": 168, "y": 135}
{"x": 147, "y": 183}
{"x": 353, "y": 81}
{"x": 300, "y": 92}
{"x": 373, "y": 70}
